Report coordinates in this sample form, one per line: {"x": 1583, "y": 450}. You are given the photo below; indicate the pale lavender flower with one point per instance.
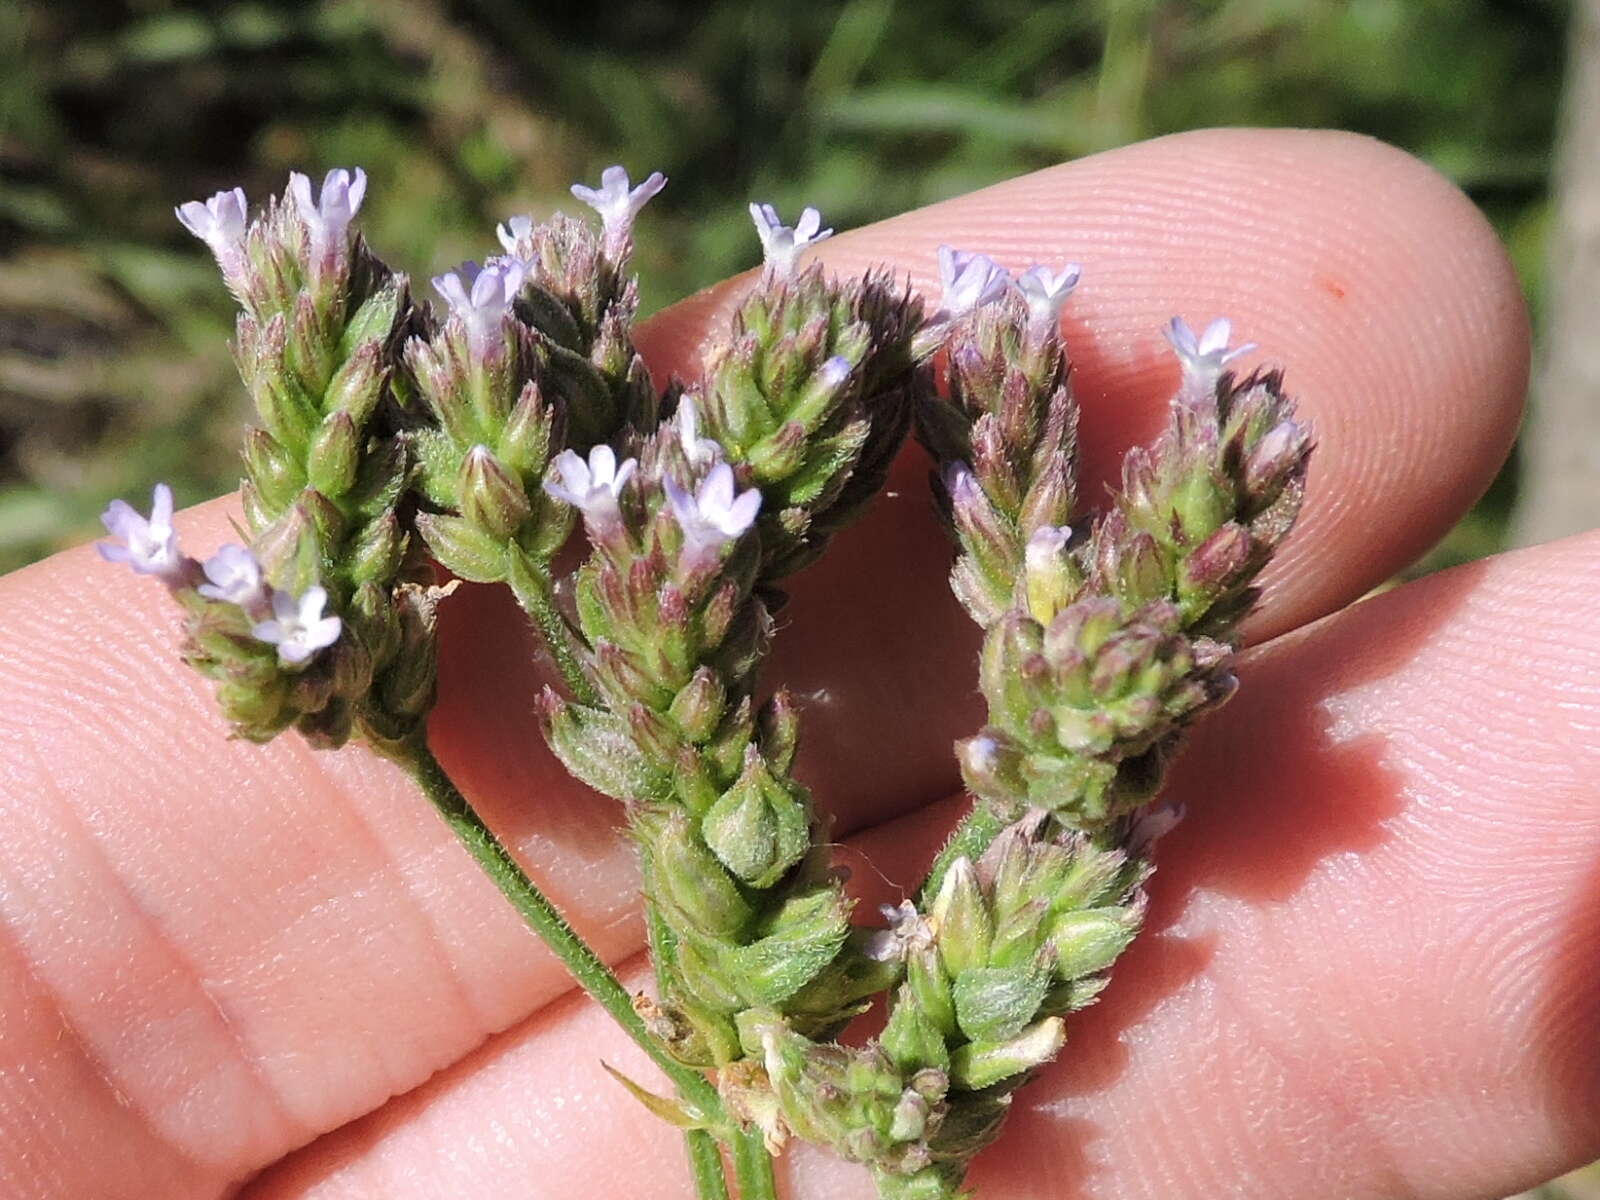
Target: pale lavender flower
{"x": 696, "y": 449}
{"x": 482, "y": 296}
{"x": 970, "y": 281}
{"x": 593, "y": 487}
{"x": 781, "y": 244}
{"x": 147, "y": 544}
{"x": 962, "y": 484}
{"x": 617, "y": 204}
{"x": 909, "y": 933}
{"x": 1046, "y": 292}
{"x": 1205, "y": 356}
{"x": 834, "y": 372}
{"x": 329, "y": 216}
{"x": 233, "y": 575}
{"x": 221, "y": 223}
{"x": 1153, "y": 824}
{"x": 715, "y": 513}
{"x": 298, "y": 629}
{"x": 1045, "y": 546}
{"x": 516, "y": 235}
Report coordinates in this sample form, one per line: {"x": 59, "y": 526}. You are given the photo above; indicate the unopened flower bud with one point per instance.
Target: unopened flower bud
{"x": 1090, "y": 940}
{"x": 1050, "y": 574}
{"x": 693, "y": 881}
{"x": 961, "y": 919}
{"x": 911, "y": 1039}
{"x": 335, "y": 455}
{"x": 1216, "y": 566}
{"x": 490, "y": 497}
{"x": 979, "y": 1065}
{"x": 699, "y": 707}
{"x": 758, "y": 828}
{"x": 991, "y": 767}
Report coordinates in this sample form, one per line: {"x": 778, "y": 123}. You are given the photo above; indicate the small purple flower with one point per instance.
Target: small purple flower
{"x": 593, "y": 487}
{"x": 1205, "y": 356}
{"x": 715, "y": 514}
{"x": 329, "y": 216}
{"x": 617, "y": 204}
{"x": 221, "y": 223}
{"x": 1046, "y": 292}
{"x": 696, "y": 449}
{"x": 516, "y": 235}
{"x": 962, "y": 484}
{"x": 909, "y": 933}
{"x": 148, "y": 545}
{"x": 780, "y": 243}
{"x": 298, "y": 628}
{"x": 970, "y": 281}
{"x": 234, "y": 576}
{"x": 482, "y": 296}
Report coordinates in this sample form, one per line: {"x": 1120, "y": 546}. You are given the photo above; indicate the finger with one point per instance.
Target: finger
{"x": 1372, "y": 279}
{"x": 319, "y": 914}
{"x": 1369, "y": 970}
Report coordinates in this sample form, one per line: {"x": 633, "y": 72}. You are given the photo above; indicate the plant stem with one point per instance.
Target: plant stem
{"x": 701, "y": 1148}
{"x": 705, "y": 1165}
{"x": 532, "y": 589}
{"x": 972, "y": 837}
{"x": 752, "y": 1166}
{"x": 591, "y": 973}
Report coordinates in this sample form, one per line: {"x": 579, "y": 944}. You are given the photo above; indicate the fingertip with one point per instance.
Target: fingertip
{"x": 1365, "y": 273}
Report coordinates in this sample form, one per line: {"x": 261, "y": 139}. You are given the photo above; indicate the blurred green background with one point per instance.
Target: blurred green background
{"x": 114, "y": 369}
{"x": 113, "y": 362}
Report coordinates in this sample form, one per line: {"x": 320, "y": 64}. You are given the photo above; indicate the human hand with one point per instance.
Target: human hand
{"x": 1369, "y": 965}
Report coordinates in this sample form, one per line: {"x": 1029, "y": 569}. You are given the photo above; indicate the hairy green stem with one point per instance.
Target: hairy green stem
{"x": 701, "y": 1147}
{"x": 705, "y": 1165}
{"x": 534, "y": 594}
{"x": 752, "y": 1166}
{"x": 586, "y": 967}
{"x": 972, "y": 837}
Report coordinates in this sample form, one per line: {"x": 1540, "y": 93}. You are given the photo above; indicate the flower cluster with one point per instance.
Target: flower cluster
{"x": 395, "y": 438}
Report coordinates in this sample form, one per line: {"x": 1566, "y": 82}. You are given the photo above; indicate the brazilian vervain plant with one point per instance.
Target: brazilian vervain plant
{"x": 394, "y": 439}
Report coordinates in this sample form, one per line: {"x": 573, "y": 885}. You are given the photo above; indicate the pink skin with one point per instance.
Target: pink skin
{"x": 1370, "y": 968}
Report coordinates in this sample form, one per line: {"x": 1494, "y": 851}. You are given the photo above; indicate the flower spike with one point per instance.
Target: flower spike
{"x": 780, "y": 243}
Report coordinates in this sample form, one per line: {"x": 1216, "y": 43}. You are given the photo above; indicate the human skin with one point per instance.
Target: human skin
{"x": 1369, "y": 968}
